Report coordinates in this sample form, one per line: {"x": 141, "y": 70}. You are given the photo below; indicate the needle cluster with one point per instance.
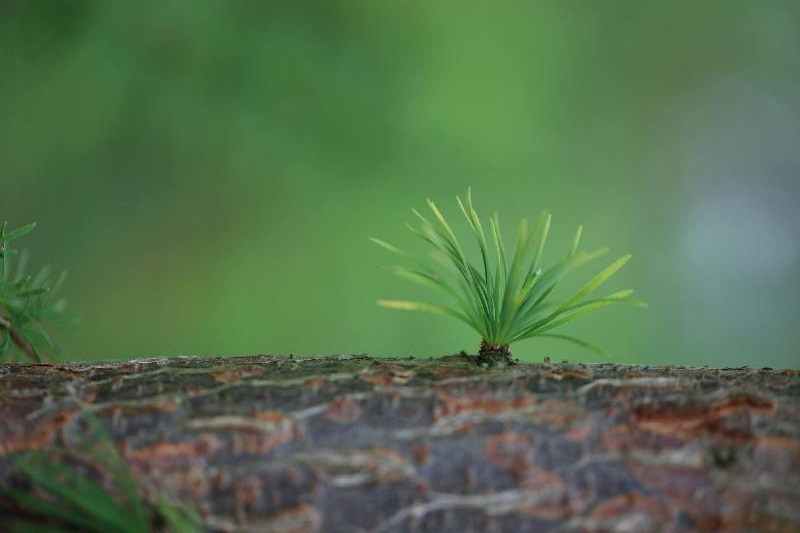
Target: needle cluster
{"x": 504, "y": 297}
{"x": 26, "y": 301}
{"x": 54, "y": 491}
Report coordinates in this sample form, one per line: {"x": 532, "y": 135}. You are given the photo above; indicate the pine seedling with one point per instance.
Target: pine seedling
{"x": 26, "y": 301}
{"x": 504, "y": 298}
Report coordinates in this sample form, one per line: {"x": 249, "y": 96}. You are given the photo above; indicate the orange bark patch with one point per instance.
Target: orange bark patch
{"x": 229, "y": 375}
{"x": 618, "y": 438}
{"x": 508, "y": 449}
{"x": 40, "y": 436}
{"x": 136, "y": 409}
{"x": 632, "y": 502}
{"x": 343, "y": 410}
{"x": 690, "y": 422}
{"x": 276, "y": 417}
{"x": 191, "y": 482}
{"x": 388, "y": 465}
{"x": 580, "y": 433}
{"x": 554, "y": 412}
{"x": 301, "y": 519}
{"x": 257, "y": 442}
{"x": 578, "y": 373}
{"x": 420, "y": 451}
{"x": 532, "y": 477}
{"x": 387, "y": 374}
{"x": 453, "y": 405}
{"x": 680, "y": 484}
{"x": 555, "y": 509}
{"x": 15, "y": 408}
{"x": 168, "y": 454}
{"x": 315, "y": 383}
{"x": 777, "y": 454}
{"x": 248, "y": 490}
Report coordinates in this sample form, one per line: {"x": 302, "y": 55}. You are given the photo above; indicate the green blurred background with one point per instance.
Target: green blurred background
{"x": 208, "y": 172}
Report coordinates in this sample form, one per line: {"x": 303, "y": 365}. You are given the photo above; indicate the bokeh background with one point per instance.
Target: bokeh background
{"x": 208, "y": 172}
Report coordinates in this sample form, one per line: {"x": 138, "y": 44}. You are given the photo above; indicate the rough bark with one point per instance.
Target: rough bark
{"x": 352, "y": 443}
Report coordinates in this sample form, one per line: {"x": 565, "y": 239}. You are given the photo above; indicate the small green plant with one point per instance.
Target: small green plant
{"x": 26, "y": 302}
{"x": 60, "y": 495}
{"x": 503, "y": 300}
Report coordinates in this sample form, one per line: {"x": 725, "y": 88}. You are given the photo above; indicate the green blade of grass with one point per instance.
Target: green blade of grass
{"x": 587, "y": 289}
{"x": 543, "y": 227}
{"x": 397, "y": 251}
{"x": 537, "y": 235}
{"x": 575, "y": 242}
{"x": 431, "y": 280}
{"x": 473, "y": 279}
{"x": 549, "y": 279}
{"x": 477, "y": 229}
{"x": 114, "y": 462}
{"x": 17, "y": 233}
{"x": 34, "y": 292}
{"x": 178, "y": 519}
{"x": 598, "y": 280}
{"x": 562, "y": 316}
{"x": 42, "y": 508}
{"x": 5, "y": 339}
{"x": 501, "y": 269}
{"x": 476, "y": 221}
{"x": 441, "y": 242}
{"x": 553, "y": 276}
{"x": 513, "y": 281}
{"x": 444, "y": 224}
{"x": 85, "y": 495}
{"x": 387, "y": 246}
{"x": 407, "y": 305}
{"x": 22, "y": 265}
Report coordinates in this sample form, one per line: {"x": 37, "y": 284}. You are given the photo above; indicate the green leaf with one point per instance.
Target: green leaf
{"x": 387, "y": 246}
{"x": 85, "y": 495}
{"x": 560, "y": 318}
{"x": 34, "y": 292}
{"x": 406, "y": 305}
{"x": 550, "y": 278}
{"x": 598, "y": 280}
{"x": 53, "y": 510}
{"x": 17, "y": 233}
{"x": 178, "y": 518}
{"x": 575, "y": 242}
{"x": 431, "y": 280}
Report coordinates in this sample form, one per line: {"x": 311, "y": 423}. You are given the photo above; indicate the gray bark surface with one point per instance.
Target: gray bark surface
{"x": 353, "y": 443}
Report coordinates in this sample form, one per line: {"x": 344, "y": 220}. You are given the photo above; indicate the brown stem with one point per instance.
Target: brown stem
{"x": 499, "y": 349}
{"x": 19, "y": 340}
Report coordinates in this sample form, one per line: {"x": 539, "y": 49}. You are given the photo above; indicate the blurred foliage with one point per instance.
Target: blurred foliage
{"x": 208, "y": 173}
{"x": 60, "y": 492}
{"x": 27, "y": 303}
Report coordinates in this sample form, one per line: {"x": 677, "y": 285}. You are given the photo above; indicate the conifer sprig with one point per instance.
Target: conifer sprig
{"x": 505, "y": 298}
{"x": 26, "y": 301}
{"x": 54, "y": 491}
